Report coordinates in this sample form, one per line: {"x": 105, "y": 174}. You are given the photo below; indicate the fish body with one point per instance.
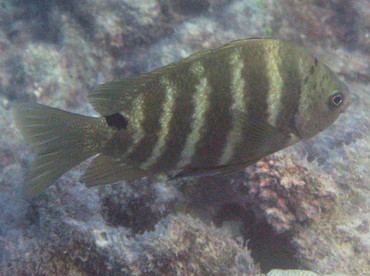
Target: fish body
{"x": 214, "y": 112}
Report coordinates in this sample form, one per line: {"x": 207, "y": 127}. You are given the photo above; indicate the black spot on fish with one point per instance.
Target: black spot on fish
{"x": 117, "y": 120}
{"x": 312, "y": 70}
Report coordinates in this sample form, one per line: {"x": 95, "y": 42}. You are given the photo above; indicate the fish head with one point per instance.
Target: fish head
{"x": 324, "y": 98}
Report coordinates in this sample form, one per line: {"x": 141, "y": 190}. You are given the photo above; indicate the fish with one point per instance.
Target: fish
{"x": 212, "y": 113}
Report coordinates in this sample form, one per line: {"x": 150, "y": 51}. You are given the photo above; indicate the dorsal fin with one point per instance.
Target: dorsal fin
{"x": 119, "y": 96}
{"x": 116, "y": 96}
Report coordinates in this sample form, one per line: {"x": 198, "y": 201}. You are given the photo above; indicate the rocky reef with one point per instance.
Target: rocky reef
{"x": 307, "y": 207}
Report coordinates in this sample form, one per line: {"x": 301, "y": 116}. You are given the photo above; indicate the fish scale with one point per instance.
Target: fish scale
{"x": 165, "y": 121}
{"x": 151, "y": 106}
{"x": 180, "y": 123}
{"x": 239, "y": 102}
{"x": 214, "y": 112}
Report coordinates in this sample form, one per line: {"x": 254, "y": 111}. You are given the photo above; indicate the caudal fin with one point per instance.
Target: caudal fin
{"x": 60, "y": 139}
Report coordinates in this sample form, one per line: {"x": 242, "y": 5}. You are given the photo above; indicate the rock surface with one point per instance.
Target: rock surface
{"x": 305, "y": 207}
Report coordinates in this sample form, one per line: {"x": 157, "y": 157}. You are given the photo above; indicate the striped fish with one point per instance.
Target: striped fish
{"x": 214, "y": 112}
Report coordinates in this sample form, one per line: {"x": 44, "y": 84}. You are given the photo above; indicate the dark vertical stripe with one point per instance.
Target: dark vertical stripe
{"x": 201, "y": 107}
{"x": 239, "y": 104}
{"x": 180, "y": 126}
{"x": 258, "y": 82}
{"x": 291, "y": 88}
{"x": 165, "y": 121}
{"x": 257, "y": 85}
{"x": 218, "y": 117}
{"x": 152, "y": 108}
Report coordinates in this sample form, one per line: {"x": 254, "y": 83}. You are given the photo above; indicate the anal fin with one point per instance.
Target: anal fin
{"x": 105, "y": 169}
{"x": 213, "y": 171}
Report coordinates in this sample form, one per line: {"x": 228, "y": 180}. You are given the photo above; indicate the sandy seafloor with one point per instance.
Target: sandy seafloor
{"x": 307, "y": 207}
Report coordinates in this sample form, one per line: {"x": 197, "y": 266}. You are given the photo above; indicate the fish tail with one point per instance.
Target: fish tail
{"x": 60, "y": 139}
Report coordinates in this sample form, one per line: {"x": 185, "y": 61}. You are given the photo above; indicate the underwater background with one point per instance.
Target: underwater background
{"x": 306, "y": 207}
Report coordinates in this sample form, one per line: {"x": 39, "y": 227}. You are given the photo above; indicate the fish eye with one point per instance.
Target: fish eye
{"x": 336, "y": 99}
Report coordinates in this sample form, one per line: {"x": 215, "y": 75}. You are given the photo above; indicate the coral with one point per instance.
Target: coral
{"x": 179, "y": 245}
{"x": 273, "y": 200}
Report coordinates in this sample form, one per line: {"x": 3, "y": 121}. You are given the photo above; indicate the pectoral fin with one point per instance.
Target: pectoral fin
{"x": 260, "y": 135}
